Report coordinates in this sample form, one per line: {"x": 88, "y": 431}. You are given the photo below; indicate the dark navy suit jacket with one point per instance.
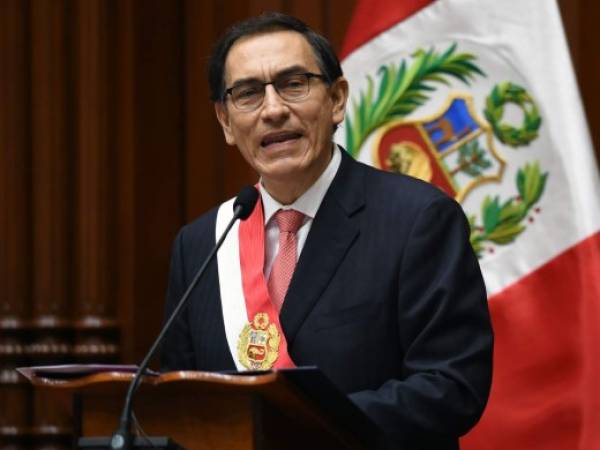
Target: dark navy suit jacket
{"x": 387, "y": 300}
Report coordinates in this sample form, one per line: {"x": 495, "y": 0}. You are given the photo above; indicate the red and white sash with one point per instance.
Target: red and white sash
{"x": 242, "y": 283}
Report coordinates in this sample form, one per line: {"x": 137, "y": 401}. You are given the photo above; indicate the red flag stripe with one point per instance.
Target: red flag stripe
{"x": 368, "y": 20}
{"x": 546, "y": 354}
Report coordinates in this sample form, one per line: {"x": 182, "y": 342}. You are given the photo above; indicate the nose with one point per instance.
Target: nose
{"x": 273, "y": 107}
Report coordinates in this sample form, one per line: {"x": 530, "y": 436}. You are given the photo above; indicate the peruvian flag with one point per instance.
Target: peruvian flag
{"x": 479, "y": 98}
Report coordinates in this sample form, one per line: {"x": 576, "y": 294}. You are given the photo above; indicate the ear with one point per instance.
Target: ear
{"x": 339, "y": 97}
{"x": 224, "y": 120}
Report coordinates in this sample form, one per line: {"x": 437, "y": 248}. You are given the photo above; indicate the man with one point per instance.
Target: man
{"x": 386, "y": 296}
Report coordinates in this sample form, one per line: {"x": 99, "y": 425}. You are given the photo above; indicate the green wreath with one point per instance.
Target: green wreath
{"x": 503, "y": 222}
{"x": 507, "y": 92}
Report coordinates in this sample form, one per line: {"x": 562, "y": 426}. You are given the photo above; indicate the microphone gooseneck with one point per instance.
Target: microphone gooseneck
{"x": 242, "y": 208}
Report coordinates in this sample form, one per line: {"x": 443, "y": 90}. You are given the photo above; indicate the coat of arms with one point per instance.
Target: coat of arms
{"x": 455, "y": 147}
{"x": 258, "y": 344}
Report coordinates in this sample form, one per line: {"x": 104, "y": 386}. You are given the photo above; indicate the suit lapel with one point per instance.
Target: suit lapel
{"x": 333, "y": 231}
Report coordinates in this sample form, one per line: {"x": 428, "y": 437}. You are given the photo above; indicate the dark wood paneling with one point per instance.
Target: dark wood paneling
{"x": 52, "y": 162}
{"x": 313, "y": 12}
{"x": 91, "y": 130}
{"x": 204, "y": 144}
{"x": 94, "y": 323}
{"x": 159, "y": 183}
{"x": 122, "y": 145}
{"x": 260, "y": 6}
{"x": 337, "y": 16}
{"x": 14, "y": 164}
{"x": 15, "y": 220}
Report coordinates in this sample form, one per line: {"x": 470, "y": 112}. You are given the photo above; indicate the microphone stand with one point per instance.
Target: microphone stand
{"x": 122, "y": 439}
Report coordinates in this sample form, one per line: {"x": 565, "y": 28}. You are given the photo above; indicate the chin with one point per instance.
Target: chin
{"x": 281, "y": 173}
{"x": 282, "y": 167}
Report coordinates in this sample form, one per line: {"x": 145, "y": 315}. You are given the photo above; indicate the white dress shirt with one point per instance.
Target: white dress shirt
{"x": 308, "y": 204}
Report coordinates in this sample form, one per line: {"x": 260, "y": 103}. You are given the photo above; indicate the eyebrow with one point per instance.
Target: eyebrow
{"x": 287, "y": 71}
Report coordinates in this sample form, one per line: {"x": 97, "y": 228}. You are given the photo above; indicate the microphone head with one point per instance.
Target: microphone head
{"x": 245, "y": 201}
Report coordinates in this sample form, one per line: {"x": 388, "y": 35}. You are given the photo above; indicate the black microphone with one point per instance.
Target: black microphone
{"x": 242, "y": 208}
{"x": 244, "y": 203}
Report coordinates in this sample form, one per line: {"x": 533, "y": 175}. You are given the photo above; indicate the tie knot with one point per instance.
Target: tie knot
{"x": 289, "y": 220}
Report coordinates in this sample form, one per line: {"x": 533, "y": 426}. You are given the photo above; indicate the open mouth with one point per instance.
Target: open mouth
{"x": 278, "y": 138}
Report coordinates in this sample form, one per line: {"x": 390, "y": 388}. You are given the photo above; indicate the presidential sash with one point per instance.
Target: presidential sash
{"x": 254, "y": 335}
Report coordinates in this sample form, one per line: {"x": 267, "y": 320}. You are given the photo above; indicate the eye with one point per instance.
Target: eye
{"x": 242, "y": 92}
{"x": 293, "y": 87}
{"x": 292, "y": 82}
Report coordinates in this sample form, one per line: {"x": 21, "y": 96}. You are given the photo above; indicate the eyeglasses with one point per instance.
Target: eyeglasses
{"x": 249, "y": 95}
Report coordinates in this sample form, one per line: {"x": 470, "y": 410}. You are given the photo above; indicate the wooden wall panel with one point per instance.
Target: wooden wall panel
{"x": 204, "y": 144}
{"x": 337, "y": 15}
{"x": 91, "y": 141}
{"x": 14, "y": 163}
{"x": 94, "y": 307}
{"x": 159, "y": 182}
{"x": 313, "y": 12}
{"x": 256, "y": 7}
{"x": 52, "y": 202}
{"x": 121, "y": 149}
{"x": 52, "y": 162}
{"x": 15, "y": 248}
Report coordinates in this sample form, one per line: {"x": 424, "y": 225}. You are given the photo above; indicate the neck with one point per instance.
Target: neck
{"x": 287, "y": 190}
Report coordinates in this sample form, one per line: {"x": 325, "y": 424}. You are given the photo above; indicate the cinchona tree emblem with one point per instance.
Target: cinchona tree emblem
{"x": 455, "y": 147}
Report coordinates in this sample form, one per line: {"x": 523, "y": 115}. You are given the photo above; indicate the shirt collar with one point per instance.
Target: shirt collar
{"x": 309, "y": 202}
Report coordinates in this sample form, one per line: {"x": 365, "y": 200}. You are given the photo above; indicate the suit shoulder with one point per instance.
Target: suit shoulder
{"x": 199, "y": 233}
{"x": 404, "y": 190}
{"x": 206, "y": 220}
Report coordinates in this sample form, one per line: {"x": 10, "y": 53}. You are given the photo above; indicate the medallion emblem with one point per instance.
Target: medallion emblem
{"x": 258, "y": 344}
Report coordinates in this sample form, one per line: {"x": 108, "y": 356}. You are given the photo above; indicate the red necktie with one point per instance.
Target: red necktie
{"x": 288, "y": 221}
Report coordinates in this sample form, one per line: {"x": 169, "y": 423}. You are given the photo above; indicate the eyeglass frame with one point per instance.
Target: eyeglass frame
{"x": 264, "y": 84}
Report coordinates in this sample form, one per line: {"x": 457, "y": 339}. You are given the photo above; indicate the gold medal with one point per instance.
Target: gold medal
{"x": 258, "y": 344}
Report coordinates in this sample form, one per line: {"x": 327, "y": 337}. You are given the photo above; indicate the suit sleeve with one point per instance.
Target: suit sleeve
{"x": 177, "y": 351}
{"x": 445, "y": 333}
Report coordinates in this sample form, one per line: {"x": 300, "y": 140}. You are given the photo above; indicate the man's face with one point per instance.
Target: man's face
{"x": 285, "y": 142}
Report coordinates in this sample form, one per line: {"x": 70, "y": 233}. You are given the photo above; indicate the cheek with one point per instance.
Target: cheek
{"x": 243, "y": 135}
{"x": 325, "y": 124}
{"x": 319, "y": 122}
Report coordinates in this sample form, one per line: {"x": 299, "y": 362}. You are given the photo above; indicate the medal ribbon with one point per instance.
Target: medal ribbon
{"x": 256, "y": 293}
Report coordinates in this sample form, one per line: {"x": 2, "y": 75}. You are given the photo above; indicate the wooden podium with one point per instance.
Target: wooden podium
{"x": 288, "y": 409}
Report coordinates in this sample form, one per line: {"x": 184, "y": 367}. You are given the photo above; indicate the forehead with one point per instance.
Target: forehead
{"x": 264, "y": 55}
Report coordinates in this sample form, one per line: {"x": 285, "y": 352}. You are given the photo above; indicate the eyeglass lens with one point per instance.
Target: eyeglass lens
{"x": 250, "y": 95}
